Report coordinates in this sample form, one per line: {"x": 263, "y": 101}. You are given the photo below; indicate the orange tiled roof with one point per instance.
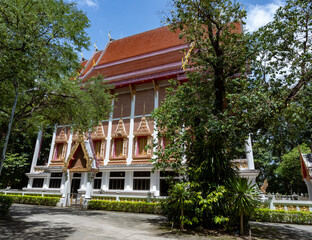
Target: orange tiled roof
{"x": 146, "y": 42}
{"x": 91, "y": 63}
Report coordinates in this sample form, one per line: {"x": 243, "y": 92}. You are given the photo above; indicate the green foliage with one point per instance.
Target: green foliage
{"x": 187, "y": 207}
{"x": 244, "y": 199}
{"x": 290, "y": 170}
{"x": 5, "y": 204}
{"x": 35, "y": 200}
{"x": 14, "y": 168}
{"x": 39, "y": 41}
{"x": 281, "y": 216}
{"x": 136, "y": 207}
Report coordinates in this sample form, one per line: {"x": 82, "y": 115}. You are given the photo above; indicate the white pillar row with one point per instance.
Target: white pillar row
{"x": 249, "y": 153}
{"x": 130, "y": 142}
{"x": 109, "y": 134}
{"x": 36, "y": 152}
{"x": 52, "y": 145}
{"x": 155, "y": 133}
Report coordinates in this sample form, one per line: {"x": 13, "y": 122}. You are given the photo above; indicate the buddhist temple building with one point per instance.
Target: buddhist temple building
{"x": 113, "y": 159}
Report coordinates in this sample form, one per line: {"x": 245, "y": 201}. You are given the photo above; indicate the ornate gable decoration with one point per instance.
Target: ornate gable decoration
{"x": 74, "y": 154}
{"x": 62, "y": 136}
{"x": 143, "y": 129}
{"x": 120, "y": 131}
{"x": 98, "y": 132}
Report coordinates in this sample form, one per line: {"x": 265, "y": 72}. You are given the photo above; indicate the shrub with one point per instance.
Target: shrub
{"x": 35, "y": 200}
{"x": 5, "y": 204}
{"x": 136, "y": 207}
{"x": 282, "y": 216}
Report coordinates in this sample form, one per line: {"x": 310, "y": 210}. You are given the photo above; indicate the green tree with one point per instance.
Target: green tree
{"x": 244, "y": 199}
{"x": 237, "y": 84}
{"x": 14, "y": 168}
{"x": 39, "y": 41}
{"x": 282, "y": 61}
{"x": 289, "y": 170}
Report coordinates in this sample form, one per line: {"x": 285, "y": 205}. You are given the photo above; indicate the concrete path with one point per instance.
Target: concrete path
{"x": 39, "y": 222}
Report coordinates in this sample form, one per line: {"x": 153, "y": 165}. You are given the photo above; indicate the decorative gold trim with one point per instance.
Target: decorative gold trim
{"x": 80, "y": 142}
{"x": 98, "y": 132}
{"x": 62, "y": 137}
{"x": 143, "y": 129}
{"x": 120, "y": 131}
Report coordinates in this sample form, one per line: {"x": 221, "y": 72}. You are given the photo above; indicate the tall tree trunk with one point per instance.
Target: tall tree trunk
{"x": 242, "y": 223}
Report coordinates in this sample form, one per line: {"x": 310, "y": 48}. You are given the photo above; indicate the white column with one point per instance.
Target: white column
{"x": 83, "y": 181}
{"x": 69, "y": 146}
{"x": 155, "y": 133}
{"x": 104, "y": 181}
{"x": 309, "y": 187}
{"x": 109, "y": 134}
{"x": 52, "y": 145}
{"x": 30, "y": 182}
{"x": 128, "y": 180}
{"x": 46, "y": 183}
{"x": 130, "y": 142}
{"x": 65, "y": 196}
{"x": 249, "y": 154}
{"x": 155, "y": 176}
{"x": 36, "y": 152}
{"x": 89, "y": 186}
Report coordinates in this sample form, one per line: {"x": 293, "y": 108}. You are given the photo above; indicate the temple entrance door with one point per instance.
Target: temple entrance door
{"x": 75, "y": 197}
{"x": 75, "y": 185}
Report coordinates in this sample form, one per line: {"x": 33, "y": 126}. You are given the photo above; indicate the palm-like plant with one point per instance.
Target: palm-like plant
{"x": 244, "y": 198}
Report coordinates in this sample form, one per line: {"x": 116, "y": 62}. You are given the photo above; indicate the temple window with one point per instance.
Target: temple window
{"x": 141, "y": 180}
{"x": 37, "y": 183}
{"x": 142, "y": 140}
{"x": 118, "y": 147}
{"x": 97, "y": 148}
{"x": 97, "y": 181}
{"x": 55, "y": 180}
{"x": 119, "y": 142}
{"x": 98, "y": 138}
{"x": 117, "y": 181}
{"x": 142, "y": 145}
{"x": 58, "y": 151}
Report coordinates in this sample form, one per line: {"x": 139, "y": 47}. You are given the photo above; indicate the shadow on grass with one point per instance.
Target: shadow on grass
{"x": 278, "y": 231}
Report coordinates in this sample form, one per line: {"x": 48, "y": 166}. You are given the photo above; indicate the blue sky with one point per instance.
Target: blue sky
{"x": 128, "y": 17}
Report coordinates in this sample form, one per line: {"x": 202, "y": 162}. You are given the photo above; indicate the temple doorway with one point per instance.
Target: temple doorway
{"x": 75, "y": 196}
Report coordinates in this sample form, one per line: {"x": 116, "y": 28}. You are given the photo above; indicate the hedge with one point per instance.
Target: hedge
{"x": 5, "y": 204}
{"x": 34, "y": 200}
{"x": 282, "y": 216}
{"x": 136, "y": 207}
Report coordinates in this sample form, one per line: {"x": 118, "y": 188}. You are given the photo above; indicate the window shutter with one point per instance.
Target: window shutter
{"x": 112, "y": 148}
{"x": 134, "y": 147}
{"x": 64, "y": 150}
{"x": 149, "y": 144}
{"x": 102, "y": 149}
{"x": 125, "y": 147}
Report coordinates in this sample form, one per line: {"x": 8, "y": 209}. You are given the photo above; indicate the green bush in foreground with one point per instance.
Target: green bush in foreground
{"x": 35, "y": 200}
{"x": 136, "y": 207}
{"x": 5, "y": 204}
{"x": 281, "y": 216}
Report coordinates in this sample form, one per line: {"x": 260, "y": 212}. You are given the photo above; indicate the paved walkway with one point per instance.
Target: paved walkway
{"x": 39, "y": 222}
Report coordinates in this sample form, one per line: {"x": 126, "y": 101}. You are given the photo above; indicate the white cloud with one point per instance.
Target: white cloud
{"x": 259, "y": 15}
{"x": 89, "y": 3}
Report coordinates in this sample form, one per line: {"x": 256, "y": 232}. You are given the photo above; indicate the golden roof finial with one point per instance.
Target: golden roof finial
{"x": 110, "y": 38}
{"x": 96, "y": 49}
{"x": 82, "y": 57}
